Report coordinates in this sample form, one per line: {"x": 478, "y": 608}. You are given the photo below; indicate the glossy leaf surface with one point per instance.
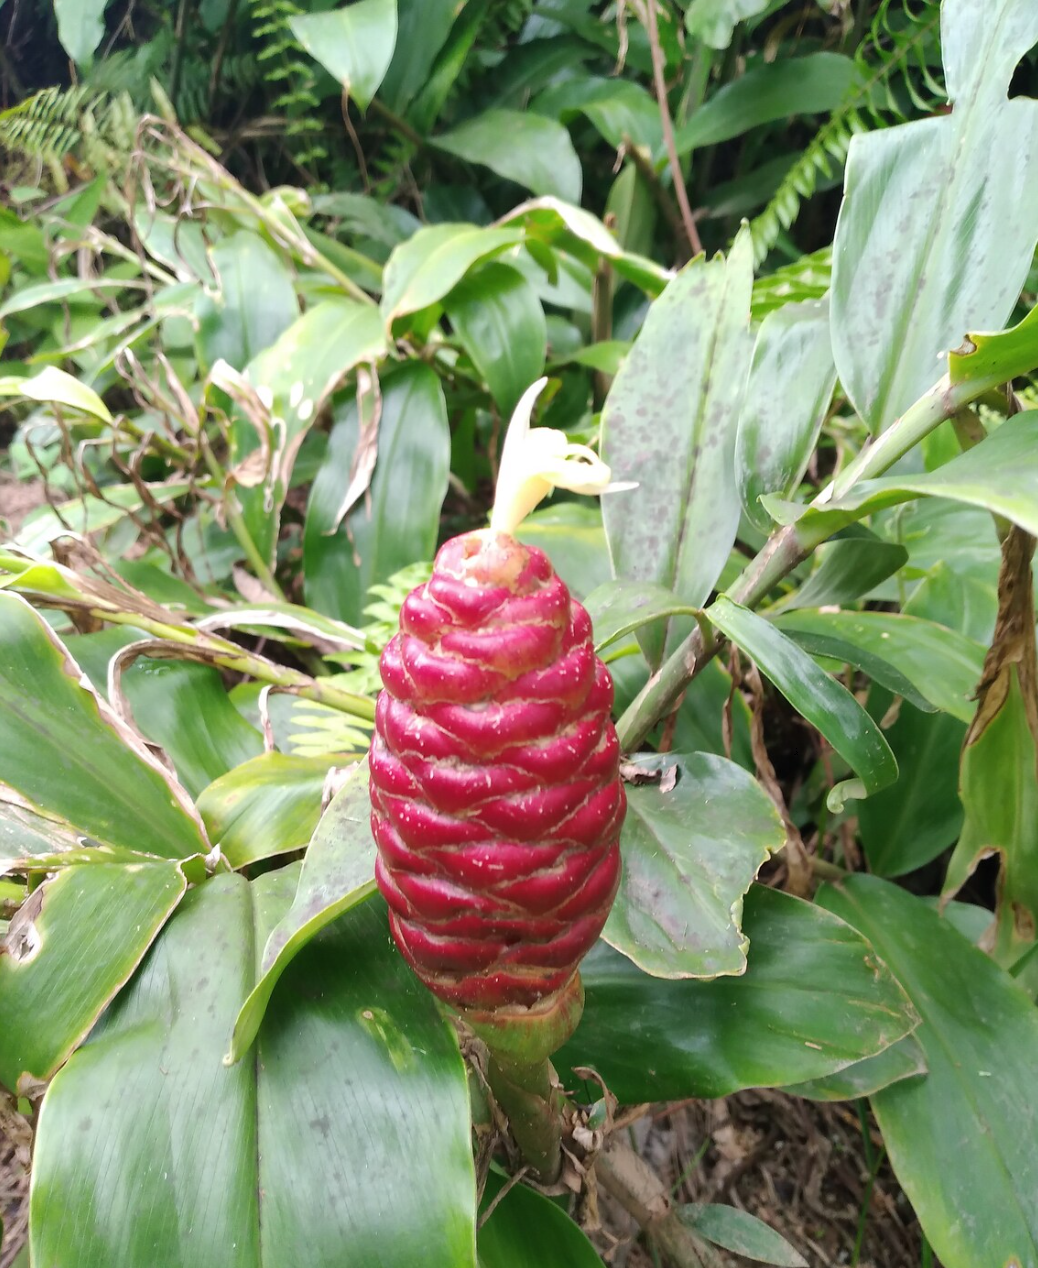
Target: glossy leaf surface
{"x": 354, "y": 44}
{"x": 275, "y": 1153}
{"x": 432, "y": 262}
{"x": 527, "y": 148}
{"x": 902, "y": 1060}
{"x": 254, "y": 301}
{"x": 500, "y": 323}
{"x": 396, "y": 522}
{"x": 75, "y": 941}
{"x": 814, "y": 998}
{"x": 338, "y": 873}
{"x": 939, "y": 665}
{"x": 670, "y": 422}
{"x": 817, "y": 696}
{"x": 64, "y": 751}
{"x": 741, "y": 1232}
{"x": 526, "y": 1230}
{"x": 791, "y": 382}
{"x": 962, "y": 1139}
{"x": 953, "y": 192}
{"x": 689, "y": 855}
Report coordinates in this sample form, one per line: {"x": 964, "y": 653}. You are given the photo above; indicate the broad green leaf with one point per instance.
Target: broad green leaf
{"x": 618, "y": 608}
{"x": 396, "y": 522}
{"x": 338, "y": 873}
{"x": 996, "y": 358}
{"x": 915, "y": 819}
{"x": 523, "y": 147}
{"x": 903, "y": 653}
{"x": 28, "y": 297}
{"x": 56, "y": 387}
{"x": 741, "y": 1232}
{"x": 619, "y": 109}
{"x": 669, "y": 423}
{"x": 791, "y": 383}
{"x": 815, "y": 84}
{"x": 848, "y": 568}
{"x": 80, "y": 27}
{"x": 499, "y": 321}
{"x": 252, "y": 304}
{"x": 423, "y": 27}
{"x": 298, "y": 371}
{"x": 287, "y": 619}
{"x": 526, "y": 1230}
{"x": 814, "y": 998}
{"x": 64, "y": 751}
{"x": 817, "y": 696}
{"x": 572, "y": 537}
{"x": 1000, "y": 475}
{"x": 902, "y": 1060}
{"x": 690, "y": 854}
{"x": 151, "y": 1151}
{"x": 73, "y": 943}
{"x": 269, "y": 805}
{"x": 961, "y": 1140}
{"x": 953, "y": 191}
{"x": 714, "y": 21}
{"x": 89, "y": 514}
{"x": 432, "y": 262}
{"x": 25, "y": 835}
{"x": 354, "y": 44}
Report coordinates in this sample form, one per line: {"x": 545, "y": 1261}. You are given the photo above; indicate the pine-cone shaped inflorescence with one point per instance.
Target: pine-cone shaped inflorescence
{"x": 495, "y": 788}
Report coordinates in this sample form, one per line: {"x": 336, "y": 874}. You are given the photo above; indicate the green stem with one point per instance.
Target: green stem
{"x": 530, "y": 1096}
{"x": 786, "y": 548}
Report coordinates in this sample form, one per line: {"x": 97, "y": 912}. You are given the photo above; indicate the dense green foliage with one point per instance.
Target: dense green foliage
{"x": 274, "y": 277}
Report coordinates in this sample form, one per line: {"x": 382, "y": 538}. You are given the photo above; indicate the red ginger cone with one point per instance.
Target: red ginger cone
{"x": 495, "y": 787}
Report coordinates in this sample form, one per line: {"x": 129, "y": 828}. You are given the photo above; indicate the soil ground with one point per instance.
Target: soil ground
{"x": 802, "y": 1167}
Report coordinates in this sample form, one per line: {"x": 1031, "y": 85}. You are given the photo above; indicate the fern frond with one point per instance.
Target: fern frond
{"x": 286, "y": 70}
{"x": 894, "y": 81}
{"x": 96, "y": 126}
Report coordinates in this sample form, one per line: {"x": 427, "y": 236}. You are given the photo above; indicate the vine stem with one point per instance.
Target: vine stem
{"x": 789, "y": 546}
{"x": 660, "y": 81}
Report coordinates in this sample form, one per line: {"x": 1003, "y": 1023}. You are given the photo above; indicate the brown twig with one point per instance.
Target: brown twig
{"x": 659, "y": 79}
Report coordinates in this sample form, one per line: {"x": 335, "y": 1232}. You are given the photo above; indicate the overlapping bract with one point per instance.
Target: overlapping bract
{"x": 496, "y": 796}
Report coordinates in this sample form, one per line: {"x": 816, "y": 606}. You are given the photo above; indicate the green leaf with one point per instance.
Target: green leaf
{"x": 29, "y": 297}
{"x": 527, "y": 148}
{"x": 997, "y": 358}
{"x": 690, "y": 854}
{"x": 524, "y": 147}
{"x": 432, "y": 261}
{"x": 65, "y": 752}
{"x": 930, "y": 665}
{"x": 791, "y": 383}
{"x": 618, "y": 608}
{"x": 1000, "y": 475}
{"x": 619, "y": 109}
{"x": 847, "y": 569}
{"x": 89, "y": 514}
{"x": 714, "y": 21}
{"x": 817, "y": 696}
{"x": 396, "y": 522}
{"x": 526, "y": 1230}
{"x": 953, "y": 191}
{"x": 355, "y": 44}
{"x": 902, "y": 1060}
{"x": 338, "y": 873}
{"x": 298, "y": 371}
{"x": 572, "y": 537}
{"x": 814, "y": 999}
{"x": 914, "y": 820}
{"x": 267, "y": 806}
{"x": 816, "y": 84}
{"x": 56, "y": 387}
{"x": 73, "y": 944}
{"x": 669, "y": 423}
{"x": 423, "y": 27}
{"x": 253, "y": 303}
{"x": 961, "y": 1140}
{"x": 81, "y": 25}
{"x": 741, "y": 1232}
{"x": 499, "y": 321}
{"x": 151, "y": 1151}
